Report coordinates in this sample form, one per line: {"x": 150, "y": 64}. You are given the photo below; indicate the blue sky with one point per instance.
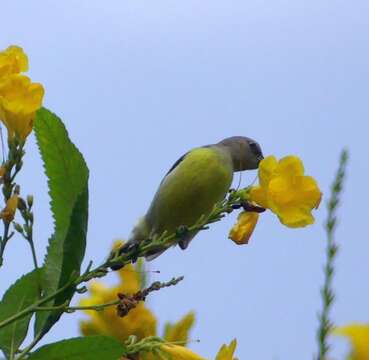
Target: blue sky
{"x": 138, "y": 83}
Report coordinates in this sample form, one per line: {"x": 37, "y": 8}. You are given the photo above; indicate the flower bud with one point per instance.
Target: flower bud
{"x": 30, "y": 200}
{"x": 7, "y": 214}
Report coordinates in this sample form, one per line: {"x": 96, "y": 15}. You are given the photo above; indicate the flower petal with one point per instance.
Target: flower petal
{"x": 266, "y": 169}
{"x": 295, "y": 217}
{"x": 226, "y": 352}
{"x": 13, "y": 60}
{"x": 19, "y": 101}
{"x": 290, "y": 165}
{"x": 358, "y": 334}
{"x": 180, "y": 352}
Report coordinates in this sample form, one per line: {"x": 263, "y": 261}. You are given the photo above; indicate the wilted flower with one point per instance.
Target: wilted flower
{"x": 19, "y": 101}
{"x": 13, "y": 60}
{"x": 286, "y": 191}
{"x": 7, "y": 214}
{"x": 243, "y": 229}
{"x": 358, "y": 334}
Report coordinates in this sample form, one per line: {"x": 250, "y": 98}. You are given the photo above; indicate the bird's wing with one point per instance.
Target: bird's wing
{"x": 176, "y": 164}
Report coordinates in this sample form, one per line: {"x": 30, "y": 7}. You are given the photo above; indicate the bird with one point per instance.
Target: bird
{"x": 193, "y": 185}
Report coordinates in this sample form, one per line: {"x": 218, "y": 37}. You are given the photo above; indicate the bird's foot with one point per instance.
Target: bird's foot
{"x": 249, "y": 207}
{"x": 182, "y": 236}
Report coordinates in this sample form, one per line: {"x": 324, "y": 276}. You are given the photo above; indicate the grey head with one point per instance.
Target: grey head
{"x": 245, "y": 152}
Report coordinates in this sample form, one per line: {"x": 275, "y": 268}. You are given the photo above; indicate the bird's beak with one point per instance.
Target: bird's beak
{"x": 260, "y": 157}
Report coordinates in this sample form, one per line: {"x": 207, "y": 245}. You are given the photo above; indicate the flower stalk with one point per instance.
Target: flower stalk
{"x": 327, "y": 292}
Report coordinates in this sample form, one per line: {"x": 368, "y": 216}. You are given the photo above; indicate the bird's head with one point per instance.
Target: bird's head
{"x": 245, "y": 152}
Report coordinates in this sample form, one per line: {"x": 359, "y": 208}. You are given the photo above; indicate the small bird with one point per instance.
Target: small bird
{"x": 193, "y": 185}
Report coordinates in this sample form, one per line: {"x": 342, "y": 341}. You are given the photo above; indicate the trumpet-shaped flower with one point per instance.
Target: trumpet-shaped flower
{"x": 13, "y": 60}
{"x": 286, "y": 191}
{"x": 358, "y": 334}
{"x": 19, "y": 101}
{"x": 243, "y": 229}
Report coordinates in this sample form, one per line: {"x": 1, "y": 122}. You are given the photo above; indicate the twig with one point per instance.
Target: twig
{"x": 128, "y": 302}
{"x": 29, "y": 347}
{"x": 124, "y": 303}
{"x": 162, "y": 242}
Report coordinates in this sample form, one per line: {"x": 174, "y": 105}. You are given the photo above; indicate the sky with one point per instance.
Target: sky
{"x": 139, "y": 83}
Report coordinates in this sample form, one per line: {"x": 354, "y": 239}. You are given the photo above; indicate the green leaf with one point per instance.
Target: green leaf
{"x": 67, "y": 175}
{"x": 81, "y": 348}
{"x": 19, "y": 296}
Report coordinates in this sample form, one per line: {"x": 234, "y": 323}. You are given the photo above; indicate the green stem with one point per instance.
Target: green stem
{"x": 66, "y": 308}
{"x": 34, "y": 256}
{"x": 14, "y": 160}
{"x": 4, "y": 240}
{"x": 162, "y": 242}
{"x": 327, "y": 292}
{"x": 31, "y": 308}
{"x": 27, "y": 349}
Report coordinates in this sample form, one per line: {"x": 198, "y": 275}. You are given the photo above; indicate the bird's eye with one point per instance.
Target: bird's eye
{"x": 254, "y": 147}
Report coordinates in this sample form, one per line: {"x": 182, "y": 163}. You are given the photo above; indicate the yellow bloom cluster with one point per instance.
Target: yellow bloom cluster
{"x": 285, "y": 190}
{"x": 19, "y": 97}
{"x": 358, "y": 334}
{"x": 140, "y": 321}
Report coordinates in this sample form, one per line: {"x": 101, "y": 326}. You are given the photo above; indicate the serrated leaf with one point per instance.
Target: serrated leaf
{"x": 23, "y": 293}
{"x": 81, "y": 348}
{"x": 67, "y": 175}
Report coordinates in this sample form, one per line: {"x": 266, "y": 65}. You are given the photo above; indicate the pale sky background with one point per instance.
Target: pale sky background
{"x": 138, "y": 83}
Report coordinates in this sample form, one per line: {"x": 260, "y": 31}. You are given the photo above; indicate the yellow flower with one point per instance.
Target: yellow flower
{"x": 180, "y": 352}
{"x": 227, "y": 352}
{"x": 286, "y": 191}
{"x": 177, "y": 352}
{"x": 358, "y": 334}
{"x": 140, "y": 321}
{"x": 19, "y": 101}
{"x": 7, "y": 214}
{"x": 243, "y": 229}
{"x": 179, "y": 331}
{"x": 13, "y": 60}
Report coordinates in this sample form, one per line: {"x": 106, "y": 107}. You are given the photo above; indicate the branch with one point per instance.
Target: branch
{"x": 125, "y": 303}
{"x": 235, "y": 200}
